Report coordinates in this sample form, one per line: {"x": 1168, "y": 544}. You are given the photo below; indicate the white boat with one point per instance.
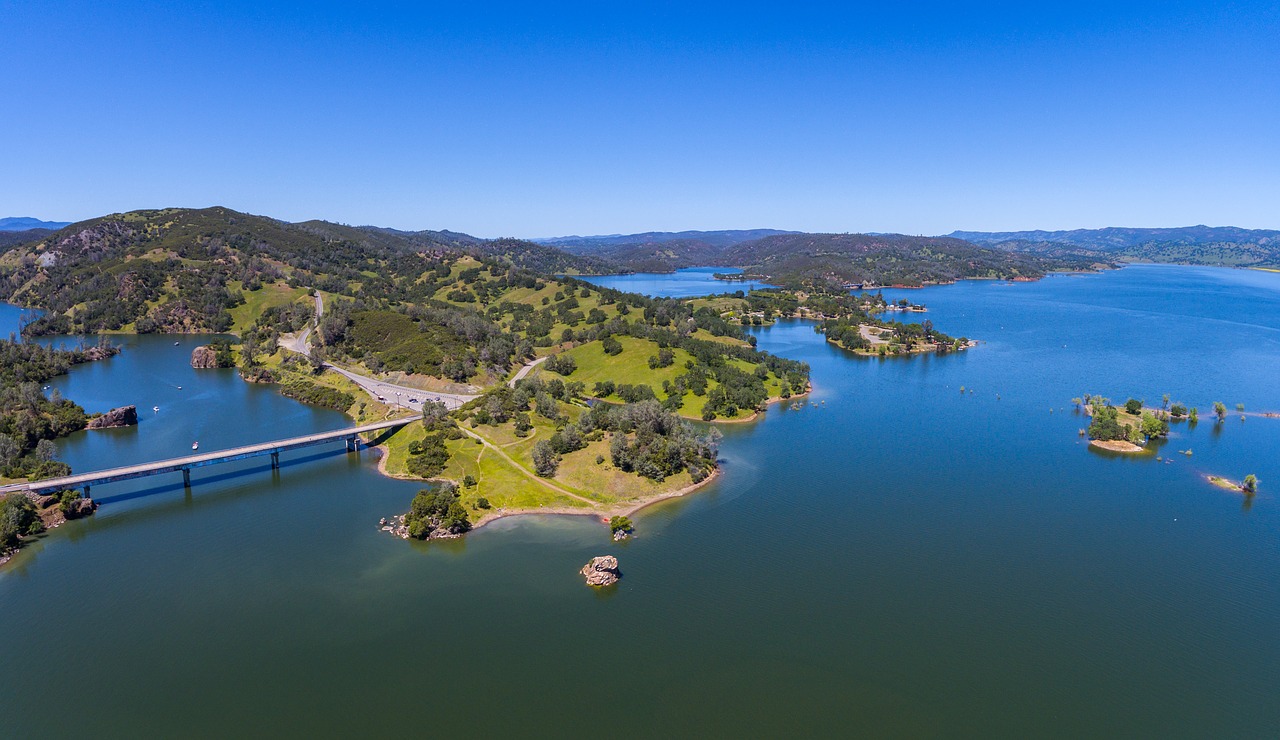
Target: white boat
{"x": 175, "y": 344}
{"x": 155, "y": 409}
{"x": 195, "y": 445}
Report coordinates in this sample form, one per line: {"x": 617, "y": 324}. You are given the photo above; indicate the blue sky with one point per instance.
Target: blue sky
{"x": 598, "y": 117}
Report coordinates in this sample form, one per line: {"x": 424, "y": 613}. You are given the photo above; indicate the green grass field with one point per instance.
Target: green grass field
{"x": 257, "y": 301}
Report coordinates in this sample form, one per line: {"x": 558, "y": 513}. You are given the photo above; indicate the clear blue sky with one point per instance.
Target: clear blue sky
{"x": 598, "y": 117}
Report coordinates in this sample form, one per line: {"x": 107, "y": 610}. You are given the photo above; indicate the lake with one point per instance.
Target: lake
{"x": 889, "y": 557}
{"x": 685, "y": 283}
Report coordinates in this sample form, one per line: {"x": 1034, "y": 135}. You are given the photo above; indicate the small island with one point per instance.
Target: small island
{"x": 1127, "y": 429}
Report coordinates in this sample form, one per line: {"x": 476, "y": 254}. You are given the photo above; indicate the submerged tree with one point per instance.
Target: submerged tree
{"x": 1250, "y": 483}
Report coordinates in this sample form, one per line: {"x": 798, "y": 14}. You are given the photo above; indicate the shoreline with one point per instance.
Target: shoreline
{"x": 1117, "y": 445}
{"x": 492, "y": 516}
{"x": 602, "y": 513}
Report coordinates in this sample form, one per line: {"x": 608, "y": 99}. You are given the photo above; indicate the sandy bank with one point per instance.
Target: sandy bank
{"x": 1117, "y": 445}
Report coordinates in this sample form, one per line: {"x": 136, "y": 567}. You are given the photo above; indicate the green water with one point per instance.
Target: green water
{"x": 897, "y": 559}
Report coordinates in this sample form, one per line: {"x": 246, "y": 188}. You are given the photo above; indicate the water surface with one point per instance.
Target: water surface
{"x": 890, "y": 557}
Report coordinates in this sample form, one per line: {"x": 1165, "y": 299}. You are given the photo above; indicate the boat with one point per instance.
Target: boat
{"x": 175, "y": 344}
{"x": 155, "y": 409}
{"x": 195, "y": 445}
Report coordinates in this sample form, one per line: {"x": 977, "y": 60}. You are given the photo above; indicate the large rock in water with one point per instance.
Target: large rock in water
{"x": 203, "y": 357}
{"x": 81, "y": 508}
{"x": 125, "y": 416}
{"x": 601, "y": 571}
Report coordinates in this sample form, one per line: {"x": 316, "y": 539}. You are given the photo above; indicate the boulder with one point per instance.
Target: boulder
{"x": 601, "y": 571}
{"x": 203, "y": 357}
{"x": 125, "y": 416}
{"x": 81, "y": 507}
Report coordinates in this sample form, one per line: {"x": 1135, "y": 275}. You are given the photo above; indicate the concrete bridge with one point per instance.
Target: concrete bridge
{"x": 185, "y": 464}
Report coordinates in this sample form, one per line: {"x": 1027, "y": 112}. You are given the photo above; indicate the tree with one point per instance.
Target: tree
{"x": 1164, "y": 401}
{"x": 1133, "y": 406}
{"x": 621, "y": 524}
{"x": 1195, "y": 415}
{"x": 1220, "y": 409}
{"x": 544, "y": 459}
{"x": 1153, "y": 427}
{"x": 1250, "y": 483}
{"x": 45, "y": 450}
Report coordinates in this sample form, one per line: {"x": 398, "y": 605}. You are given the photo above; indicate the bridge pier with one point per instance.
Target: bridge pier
{"x": 186, "y": 477}
{"x": 275, "y": 461}
{"x": 352, "y": 444}
{"x": 86, "y": 492}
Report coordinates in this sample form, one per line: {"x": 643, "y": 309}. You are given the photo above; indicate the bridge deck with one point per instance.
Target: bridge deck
{"x": 195, "y": 461}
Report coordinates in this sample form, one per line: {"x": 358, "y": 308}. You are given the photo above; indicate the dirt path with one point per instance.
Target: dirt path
{"x": 523, "y": 471}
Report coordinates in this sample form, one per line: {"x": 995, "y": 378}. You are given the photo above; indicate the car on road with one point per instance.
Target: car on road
{"x": 413, "y": 400}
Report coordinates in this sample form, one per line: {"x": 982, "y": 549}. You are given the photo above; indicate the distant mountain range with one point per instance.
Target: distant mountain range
{"x": 724, "y": 238}
{"x": 1114, "y": 238}
{"x": 1194, "y": 245}
{"x": 24, "y": 223}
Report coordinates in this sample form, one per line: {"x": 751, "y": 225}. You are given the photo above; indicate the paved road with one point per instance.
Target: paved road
{"x": 525, "y": 371}
{"x": 401, "y": 395}
{"x": 197, "y": 461}
{"x": 301, "y": 343}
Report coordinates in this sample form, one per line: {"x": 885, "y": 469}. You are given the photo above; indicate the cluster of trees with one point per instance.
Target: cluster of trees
{"x": 437, "y": 511}
{"x": 318, "y": 395}
{"x": 30, "y": 420}
{"x": 428, "y": 457}
{"x": 18, "y": 519}
{"x": 561, "y": 364}
{"x": 1106, "y": 424}
{"x": 645, "y": 438}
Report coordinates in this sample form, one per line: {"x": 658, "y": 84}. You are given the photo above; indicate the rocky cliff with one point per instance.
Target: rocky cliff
{"x": 125, "y": 416}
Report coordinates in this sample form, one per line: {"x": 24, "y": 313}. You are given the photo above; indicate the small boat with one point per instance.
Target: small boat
{"x": 155, "y": 409}
{"x": 179, "y": 387}
{"x": 195, "y": 445}
{"x": 175, "y": 344}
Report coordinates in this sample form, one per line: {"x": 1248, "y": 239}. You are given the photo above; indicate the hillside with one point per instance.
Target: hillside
{"x": 185, "y": 270}
{"x": 723, "y": 238}
{"x": 661, "y": 256}
{"x": 10, "y": 239}
{"x": 1196, "y": 245}
{"x": 882, "y": 259}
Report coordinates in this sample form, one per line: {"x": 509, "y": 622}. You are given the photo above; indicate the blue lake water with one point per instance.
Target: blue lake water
{"x": 686, "y": 283}
{"x": 891, "y": 557}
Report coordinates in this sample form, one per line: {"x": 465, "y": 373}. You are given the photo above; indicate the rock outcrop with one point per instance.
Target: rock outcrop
{"x": 125, "y": 416}
{"x": 81, "y": 507}
{"x": 204, "y": 358}
{"x": 601, "y": 571}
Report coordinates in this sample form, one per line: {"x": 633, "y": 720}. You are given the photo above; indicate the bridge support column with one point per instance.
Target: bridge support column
{"x": 275, "y": 461}
{"x": 186, "y": 477}
{"x": 86, "y": 492}
{"x": 352, "y": 444}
